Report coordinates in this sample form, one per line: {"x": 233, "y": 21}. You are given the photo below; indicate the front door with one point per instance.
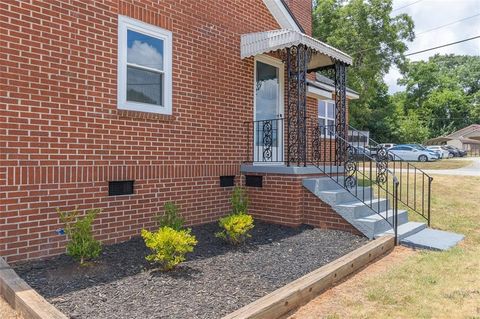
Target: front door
{"x": 268, "y": 114}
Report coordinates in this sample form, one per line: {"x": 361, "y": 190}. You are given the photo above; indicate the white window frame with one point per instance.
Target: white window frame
{"x": 125, "y": 24}
{"x": 326, "y": 118}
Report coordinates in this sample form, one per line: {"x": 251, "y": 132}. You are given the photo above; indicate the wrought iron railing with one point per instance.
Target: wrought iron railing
{"x": 415, "y": 186}
{"x": 265, "y": 141}
{"x": 366, "y": 177}
{"x": 354, "y": 163}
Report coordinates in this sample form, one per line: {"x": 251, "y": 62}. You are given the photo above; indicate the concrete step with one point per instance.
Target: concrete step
{"x": 378, "y": 222}
{"x": 341, "y": 195}
{"x": 322, "y": 183}
{"x": 404, "y": 230}
{"x": 358, "y": 209}
{"x": 432, "y": 239}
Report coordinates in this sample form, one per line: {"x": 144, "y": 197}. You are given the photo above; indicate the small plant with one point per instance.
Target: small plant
{"x": 169, "y": 246}
{"x": 235, "y": 227}
{"x": 239, "y": 200}
{"x": 170, "y": 218}
{"x": 81, "y": 246}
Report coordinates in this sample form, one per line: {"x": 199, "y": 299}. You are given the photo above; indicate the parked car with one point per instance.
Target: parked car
{"x": 452, "y": 152}
{"x": 386, "y": 145}
{"x": 456, "y": 152}
{"x": 423, "y": 148}
{"x": 361, "y": 153}
{"x": 460, "y": 151}
{"x": 443, "y": 153}
{"x": 408, "y": 153}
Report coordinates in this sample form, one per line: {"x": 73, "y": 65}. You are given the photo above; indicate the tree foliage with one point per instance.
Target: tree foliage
{"x": 376, "y": 40}
{"x": 444, "y": 91}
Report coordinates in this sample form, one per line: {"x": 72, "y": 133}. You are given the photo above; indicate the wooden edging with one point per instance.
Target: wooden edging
{"x": 23, "y": 298}
{"x": 299, "y": 292}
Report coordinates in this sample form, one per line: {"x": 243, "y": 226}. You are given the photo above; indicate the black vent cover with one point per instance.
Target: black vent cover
{"x": 253, "y": 181}
{"x": 120, "y": 188}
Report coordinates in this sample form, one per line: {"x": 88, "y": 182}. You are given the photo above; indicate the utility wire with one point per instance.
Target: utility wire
{"x": 408, "y": 5}
{"x": 446, "y": 25}
{"x": 423, "y": 32}
{"x": 443, "y": 45}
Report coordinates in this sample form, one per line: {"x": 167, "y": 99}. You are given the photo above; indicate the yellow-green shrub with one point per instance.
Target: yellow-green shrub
{"x": 235, "y": 228}
{"x": 168, "y": 246}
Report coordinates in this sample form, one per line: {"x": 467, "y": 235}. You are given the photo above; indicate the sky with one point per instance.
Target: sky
{"x": 430, "y": 14}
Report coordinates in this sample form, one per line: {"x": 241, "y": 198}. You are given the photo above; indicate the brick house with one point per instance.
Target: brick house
{"x": 123, "y": 105}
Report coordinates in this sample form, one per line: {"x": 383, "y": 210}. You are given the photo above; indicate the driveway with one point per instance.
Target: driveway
{"x": 470, "y": 170}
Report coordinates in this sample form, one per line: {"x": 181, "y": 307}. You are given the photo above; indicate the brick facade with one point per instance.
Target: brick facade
{"x": 63, "y": 137}
{"x": 302, "y": 9}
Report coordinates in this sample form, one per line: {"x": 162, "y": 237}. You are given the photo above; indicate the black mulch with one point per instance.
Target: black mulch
{"x": 216, "y": 280}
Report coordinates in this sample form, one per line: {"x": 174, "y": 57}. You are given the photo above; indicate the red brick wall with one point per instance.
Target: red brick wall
{"x": 320, "y": 214}
{"x": 302, "y": 10}
{"x": 63, "y": 138}
{"x": 284, "y": 200}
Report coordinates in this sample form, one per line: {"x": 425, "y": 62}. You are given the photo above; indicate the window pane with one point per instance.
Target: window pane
{"x": 331, "y": 127}
{"x": 331, "y": 110}
{"x": 267, "y": 92}
{"x": 144, "y": 50}
{"x": 144, "y": 86}
{"x": 321, "y": 108}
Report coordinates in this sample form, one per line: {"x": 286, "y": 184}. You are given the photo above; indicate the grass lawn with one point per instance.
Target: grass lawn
{"x": 424, "y": 284}
{"x": 442, "y": 164}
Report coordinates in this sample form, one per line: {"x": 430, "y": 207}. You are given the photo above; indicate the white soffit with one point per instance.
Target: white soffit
{"x": 281, "y": 14}
{"x": 262, "y": 42}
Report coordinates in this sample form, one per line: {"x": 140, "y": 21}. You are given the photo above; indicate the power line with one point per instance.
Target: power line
{"x": 446, "y": 25}
{"x": 408, "y": 5}
{"x": 422, "y": 32}
{"x": 443, "y": 45}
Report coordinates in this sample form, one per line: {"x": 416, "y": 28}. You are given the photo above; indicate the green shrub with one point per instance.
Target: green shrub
{"x": 235, "y": 228}
{"x": 81, "y": 246}
{"x": 239, "y": 200}
{"x": 170, "y": 218}
{"x": 169, "y": 246}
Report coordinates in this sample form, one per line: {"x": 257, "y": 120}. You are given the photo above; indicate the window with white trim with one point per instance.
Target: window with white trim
{"x": 144, "y": 67}
{"x": 326, "y": 116}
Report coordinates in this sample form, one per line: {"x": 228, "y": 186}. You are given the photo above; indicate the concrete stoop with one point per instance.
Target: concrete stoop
{"x": 358, "y": 213}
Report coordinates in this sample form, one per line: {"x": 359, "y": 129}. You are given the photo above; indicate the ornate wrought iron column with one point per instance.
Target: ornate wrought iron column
{"x": 296, "y": 58}
{"x": 341, "y": 112}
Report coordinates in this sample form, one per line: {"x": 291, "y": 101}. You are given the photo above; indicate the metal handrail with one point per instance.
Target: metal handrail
{"x": 352, "y": 174}
{"x": 409, "y": 195}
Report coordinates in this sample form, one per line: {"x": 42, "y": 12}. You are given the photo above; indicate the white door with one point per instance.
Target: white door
{"x": 268, "y": 111}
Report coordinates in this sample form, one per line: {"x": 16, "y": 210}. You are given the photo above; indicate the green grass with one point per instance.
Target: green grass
{"x": 431, "y": 284}
{"x": 442, "y": 164}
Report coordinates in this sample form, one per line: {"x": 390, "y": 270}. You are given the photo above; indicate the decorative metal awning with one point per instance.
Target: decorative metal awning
{"x": 262, "y": 42}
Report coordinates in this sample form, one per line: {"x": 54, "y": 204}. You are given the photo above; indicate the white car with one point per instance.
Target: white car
{"x": 387, "y": 145}
{"x": 408, "y": 153}
{"x": 437, "y": 148}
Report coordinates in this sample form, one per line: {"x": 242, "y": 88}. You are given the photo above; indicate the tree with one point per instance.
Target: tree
{"x": 444, "y": 91}
{"x": 365, "y": 30}
{"x": 410, "y": 129}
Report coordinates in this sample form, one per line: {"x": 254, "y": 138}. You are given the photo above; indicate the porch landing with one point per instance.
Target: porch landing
{"x": 289, "y": 170}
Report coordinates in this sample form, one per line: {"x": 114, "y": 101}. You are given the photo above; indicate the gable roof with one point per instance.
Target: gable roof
{"x": 466, "y": 132}
{"x": 283, "y": 15}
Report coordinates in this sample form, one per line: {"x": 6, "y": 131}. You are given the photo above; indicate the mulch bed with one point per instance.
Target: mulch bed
{"x": 216, "y": 280}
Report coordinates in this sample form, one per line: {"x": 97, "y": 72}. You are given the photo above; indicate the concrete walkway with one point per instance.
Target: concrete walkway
{"x": 470, "y": 170}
